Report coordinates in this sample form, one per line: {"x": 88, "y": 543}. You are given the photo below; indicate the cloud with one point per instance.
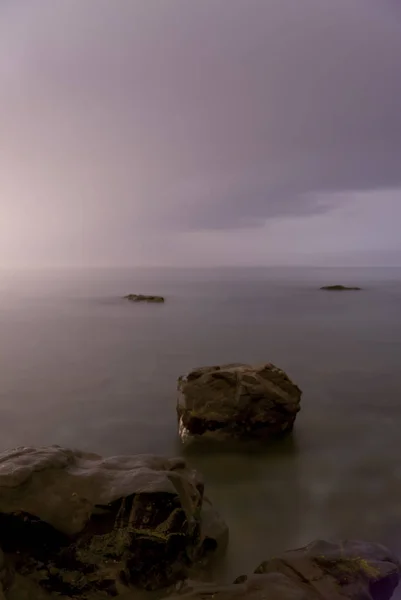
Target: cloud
{"x": 361, "y": 229}
{"x": 135, "y": 119}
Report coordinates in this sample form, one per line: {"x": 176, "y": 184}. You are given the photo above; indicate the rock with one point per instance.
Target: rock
{"x": 76, "y": 524}
{"x": 323, "y": 570}
{"x": 337, "y": 570}
{"x": 141, "y": 298}
{"x": 273, "y": 586}
{"x": 236, "y": 401}
{"x": 339, "y": 288}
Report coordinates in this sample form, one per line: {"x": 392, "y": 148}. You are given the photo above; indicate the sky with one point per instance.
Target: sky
{"x": 200, "y": 132}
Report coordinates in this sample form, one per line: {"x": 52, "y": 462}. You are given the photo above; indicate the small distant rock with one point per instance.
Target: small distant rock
{"x": 236, "y": 401}
{"x": 339, "y": 288}
{"x": 142, "y": 298}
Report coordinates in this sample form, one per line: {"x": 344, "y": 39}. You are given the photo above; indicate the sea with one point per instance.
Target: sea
{"x": 81, "y": 367}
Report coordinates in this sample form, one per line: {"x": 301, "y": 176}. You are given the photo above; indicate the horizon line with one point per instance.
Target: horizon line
{"x": 208, "y": 267}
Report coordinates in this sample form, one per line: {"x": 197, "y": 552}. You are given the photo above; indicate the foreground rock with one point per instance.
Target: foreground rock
{"x": 76, "y": 524}
{"x": 141, "y": 298}
{"x": 236, "y": 401}
{"x": 339, "y": 288}
{"x": 321, "y": 571}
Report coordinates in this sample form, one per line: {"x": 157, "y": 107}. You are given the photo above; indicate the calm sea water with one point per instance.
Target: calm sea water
{"x": 81, "y": 367}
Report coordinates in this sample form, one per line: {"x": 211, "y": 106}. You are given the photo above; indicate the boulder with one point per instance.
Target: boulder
{"x": 236, "y": 401}
{"x": 75, "y": 524}
{"x": 337, "y": 570}
{"x": 323, "y": 570}
{"x": 141, "y": 298}
{"x": 339, "y": 288}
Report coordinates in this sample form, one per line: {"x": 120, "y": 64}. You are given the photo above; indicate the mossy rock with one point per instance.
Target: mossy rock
{"x": 82, "y": 525}
{"x": 236, "y": 402}
{"x": 344, "y": 569}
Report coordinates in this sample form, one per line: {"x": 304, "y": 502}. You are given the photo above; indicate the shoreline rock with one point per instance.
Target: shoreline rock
{"x": 142, "y": 298}
{"x": 340, "y": 288}
{"x": 75, "y": 526}
{"x": 78, "y": 524}
{"x": 323, "y": 570}
{"x": 236, "y": 401}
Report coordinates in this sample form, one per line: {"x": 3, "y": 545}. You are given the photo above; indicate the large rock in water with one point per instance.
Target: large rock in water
{"x": 236, "y": 401}
{"x": 323, "y": 570}
{"x": 77, "y": 525}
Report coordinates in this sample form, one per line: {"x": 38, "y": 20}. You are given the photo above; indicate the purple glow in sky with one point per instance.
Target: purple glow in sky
{"x": 200, "y": 132}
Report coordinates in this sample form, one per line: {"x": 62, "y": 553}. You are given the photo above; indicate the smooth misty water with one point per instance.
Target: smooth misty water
{"x": 81, "y": 367}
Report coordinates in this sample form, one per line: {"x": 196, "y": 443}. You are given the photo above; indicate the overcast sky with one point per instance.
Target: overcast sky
{"x": 200, "y": 132}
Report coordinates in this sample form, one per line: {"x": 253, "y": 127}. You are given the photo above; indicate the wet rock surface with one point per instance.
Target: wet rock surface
{"x": 236, "y": 401}
{"x": 323, "y": 570}
{"x": 79, "y": 526}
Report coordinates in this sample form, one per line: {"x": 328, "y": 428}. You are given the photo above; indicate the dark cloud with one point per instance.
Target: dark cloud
{"x": 143, "y": 116}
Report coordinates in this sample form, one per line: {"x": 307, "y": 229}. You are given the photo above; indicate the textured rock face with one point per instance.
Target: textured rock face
{"x": 321, "y": 571}
{"x": 141, "y": 298}
{"x": 76, "y": 524}
{"x": 236, "y": 401}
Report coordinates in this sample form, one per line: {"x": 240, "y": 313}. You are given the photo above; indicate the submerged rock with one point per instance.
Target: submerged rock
{"x": 141, "y": 298}
{"x": 339, "y": 288}
{"x": 322, "y": 570}
{"x": 236, "y": 401}
{"x": 76, "y": 524}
